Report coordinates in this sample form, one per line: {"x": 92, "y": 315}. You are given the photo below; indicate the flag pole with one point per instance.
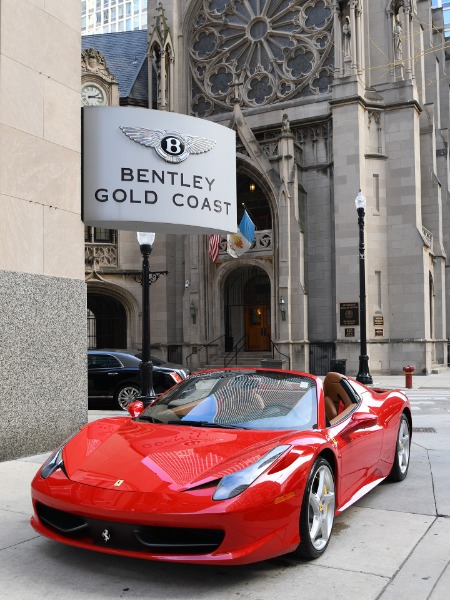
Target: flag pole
{"x": 248, "y": 212}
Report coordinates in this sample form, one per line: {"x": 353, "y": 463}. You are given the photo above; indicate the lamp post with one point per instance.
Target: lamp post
{"x": 146, "y": 240}
{"x": 364, "y": 375}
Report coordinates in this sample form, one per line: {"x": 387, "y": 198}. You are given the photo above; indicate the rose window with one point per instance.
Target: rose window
{"x": 263, "y": 51}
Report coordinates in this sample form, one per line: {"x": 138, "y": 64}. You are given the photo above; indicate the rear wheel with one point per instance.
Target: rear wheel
{"x": 402, "y": 451}
{"x": 125, "y": 394}
{"x": 317, "y": 514}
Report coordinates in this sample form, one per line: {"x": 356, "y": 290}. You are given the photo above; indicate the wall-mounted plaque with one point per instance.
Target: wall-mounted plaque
{"x": 349, "y": 332}
{"x": 349, "y": 313}
{"x": 378, "y": 320}
{"x": 379, "y": 332}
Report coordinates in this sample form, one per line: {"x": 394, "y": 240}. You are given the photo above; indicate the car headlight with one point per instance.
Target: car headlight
{"x": 55, "y": 461}
{"x": 234, "y": 484}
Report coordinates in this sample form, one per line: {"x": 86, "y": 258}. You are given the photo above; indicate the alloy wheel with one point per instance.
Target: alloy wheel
{"x": 321, "y": 507}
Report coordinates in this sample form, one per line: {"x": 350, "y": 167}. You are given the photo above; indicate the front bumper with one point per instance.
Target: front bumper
{"x": 188, "y": 528}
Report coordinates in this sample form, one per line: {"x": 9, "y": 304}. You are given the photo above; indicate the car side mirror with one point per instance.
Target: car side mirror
{"x": 135, "y": 408}
{"x": 361, "y": 421}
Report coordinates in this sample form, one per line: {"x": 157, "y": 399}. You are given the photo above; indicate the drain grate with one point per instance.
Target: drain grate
{"x": 424, "y": 430}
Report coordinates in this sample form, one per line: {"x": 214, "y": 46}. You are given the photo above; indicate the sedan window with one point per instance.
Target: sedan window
{"x": 114, "y": 363}
{"x": 98, "y": 361}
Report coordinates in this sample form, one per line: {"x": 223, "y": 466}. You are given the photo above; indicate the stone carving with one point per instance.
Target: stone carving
{"x": 397, "y": 39}
{"x": 100, "y": 256}
{"x": 279, "y": 50}
{"x": 262, "y": 245}
{"x": 285, "y": 125}
{"x": 93, "y": 62}
{"x": 347, "y": 33}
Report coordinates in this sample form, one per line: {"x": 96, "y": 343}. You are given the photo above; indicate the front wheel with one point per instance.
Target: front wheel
{"x": 317, "y": 514}
{"x": 125, "y": 394}
{"x": 402, "y": 451}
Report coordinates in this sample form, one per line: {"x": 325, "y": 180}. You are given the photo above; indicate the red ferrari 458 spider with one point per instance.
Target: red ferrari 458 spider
{"x": 229, "y": 467}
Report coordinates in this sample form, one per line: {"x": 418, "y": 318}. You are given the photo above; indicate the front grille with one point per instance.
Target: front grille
{"x": 131, "y": 537}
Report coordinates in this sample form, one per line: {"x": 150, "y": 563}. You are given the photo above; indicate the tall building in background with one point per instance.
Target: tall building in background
{"x": 109, "y": 16}
{"x": 445, "y": 5}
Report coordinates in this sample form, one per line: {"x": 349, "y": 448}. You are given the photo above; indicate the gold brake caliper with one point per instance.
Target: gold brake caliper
{"x": 325, "y": 491}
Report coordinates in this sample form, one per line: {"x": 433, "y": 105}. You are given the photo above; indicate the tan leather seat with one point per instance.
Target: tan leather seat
{"x": 330, "y": 408}
{"x": 332, "y": 387}
{"x": 336, "y": 397}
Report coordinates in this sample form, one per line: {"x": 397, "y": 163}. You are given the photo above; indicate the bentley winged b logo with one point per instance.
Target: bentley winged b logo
{"x": 172, "y": 146}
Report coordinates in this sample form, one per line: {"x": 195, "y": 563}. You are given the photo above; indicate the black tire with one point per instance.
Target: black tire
{"x": 317, "y": 514}
{"x": 126, "y": 393}
{"x": 402, "y": 451}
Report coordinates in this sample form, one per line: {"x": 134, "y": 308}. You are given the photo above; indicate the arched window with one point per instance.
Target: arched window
{"x": 91, "y": 330}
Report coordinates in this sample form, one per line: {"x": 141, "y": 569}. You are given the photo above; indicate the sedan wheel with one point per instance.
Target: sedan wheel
{"x": 124, "y": 395}
{"x": 402, "y": 451}
{"x": 317, "y": 515}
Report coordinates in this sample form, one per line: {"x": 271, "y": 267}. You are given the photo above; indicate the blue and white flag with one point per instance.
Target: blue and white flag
{"x": 240, "y": 242}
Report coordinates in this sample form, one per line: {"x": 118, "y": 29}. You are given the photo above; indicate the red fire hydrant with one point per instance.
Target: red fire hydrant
{"x": 408, "y": 371}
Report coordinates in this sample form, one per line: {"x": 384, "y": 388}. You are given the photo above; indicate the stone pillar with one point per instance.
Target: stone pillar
{"x": 163, "y": 81}
{"x": 409, "y": 73}
{"x": 359, "y": 41}
{"x": 354, "y": 33}
{"x": 294, "y": 331}
{"x": 171, "y": 79}
{"x": 337, "y": 40}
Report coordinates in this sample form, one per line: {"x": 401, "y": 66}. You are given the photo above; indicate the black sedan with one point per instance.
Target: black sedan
{"x": 116, "y": 375}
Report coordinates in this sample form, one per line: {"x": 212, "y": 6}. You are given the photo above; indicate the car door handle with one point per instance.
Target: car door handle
{"x": 110, "y": 374}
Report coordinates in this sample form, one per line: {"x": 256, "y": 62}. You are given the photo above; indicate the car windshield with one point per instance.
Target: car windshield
{"x": 250, "y": 400}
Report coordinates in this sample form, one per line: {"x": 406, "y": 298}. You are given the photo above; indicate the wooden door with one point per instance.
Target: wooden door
{"x": 257, "y": 328}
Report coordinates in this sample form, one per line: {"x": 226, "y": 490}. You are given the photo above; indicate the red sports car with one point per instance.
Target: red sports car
{"x": 229, "y": 467}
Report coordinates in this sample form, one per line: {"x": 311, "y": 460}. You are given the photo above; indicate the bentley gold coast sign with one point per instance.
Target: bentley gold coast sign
{"x": 150, "y": 170}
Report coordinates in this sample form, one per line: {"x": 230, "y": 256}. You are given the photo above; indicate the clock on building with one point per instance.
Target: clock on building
{"x": 92, "y": 95}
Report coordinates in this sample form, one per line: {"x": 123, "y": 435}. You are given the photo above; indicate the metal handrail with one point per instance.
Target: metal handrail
{"x": 275, "y": 347}
{"x": 238, "y": 347}
{"x": 202, "y": 347}
{"x": 235, "y": 351}
{"x": 242, "y": 343}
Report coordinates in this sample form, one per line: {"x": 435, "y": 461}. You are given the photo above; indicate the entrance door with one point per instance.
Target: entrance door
{"x": 257, "y": 328}
{"x": 109, "y": 319}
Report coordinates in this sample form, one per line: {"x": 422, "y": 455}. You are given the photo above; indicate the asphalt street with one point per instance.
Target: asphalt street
{"x": 394, "y": 543}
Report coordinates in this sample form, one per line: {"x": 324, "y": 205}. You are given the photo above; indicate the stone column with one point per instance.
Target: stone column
{"x": 171, "y": 78}
{"x": 407, "y": 13}
{"x": 163, "y": 81}
{"x": 354, "y": 33}
{"x": 292, "y": 333}
{"x": 359, "y": 41}
{"x": 337, "y": 40}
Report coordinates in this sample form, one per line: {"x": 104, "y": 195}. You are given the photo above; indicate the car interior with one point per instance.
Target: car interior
{"x": 340, "y": 400}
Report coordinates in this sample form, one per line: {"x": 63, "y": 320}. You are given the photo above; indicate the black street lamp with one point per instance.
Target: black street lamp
{"x": 364, "y": 375}
{"x": 147, "y": 396}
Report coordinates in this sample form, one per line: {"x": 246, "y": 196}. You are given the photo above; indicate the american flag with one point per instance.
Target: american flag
{"x": 213, "y": 247}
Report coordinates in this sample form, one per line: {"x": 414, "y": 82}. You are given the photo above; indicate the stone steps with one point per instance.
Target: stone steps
{"x": 244, "y": 359}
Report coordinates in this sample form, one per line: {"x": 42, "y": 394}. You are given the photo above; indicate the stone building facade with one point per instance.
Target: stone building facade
{"x": 43, "y": 384}
{"x": 327, "y": 98}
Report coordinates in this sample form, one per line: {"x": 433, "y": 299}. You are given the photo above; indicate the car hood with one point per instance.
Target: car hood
{"x": 130, "y": 455}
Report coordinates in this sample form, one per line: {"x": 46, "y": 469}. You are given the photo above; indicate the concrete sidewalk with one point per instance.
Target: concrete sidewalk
{"x": 393, "y": 543}
{"x": 440, "y": 381}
